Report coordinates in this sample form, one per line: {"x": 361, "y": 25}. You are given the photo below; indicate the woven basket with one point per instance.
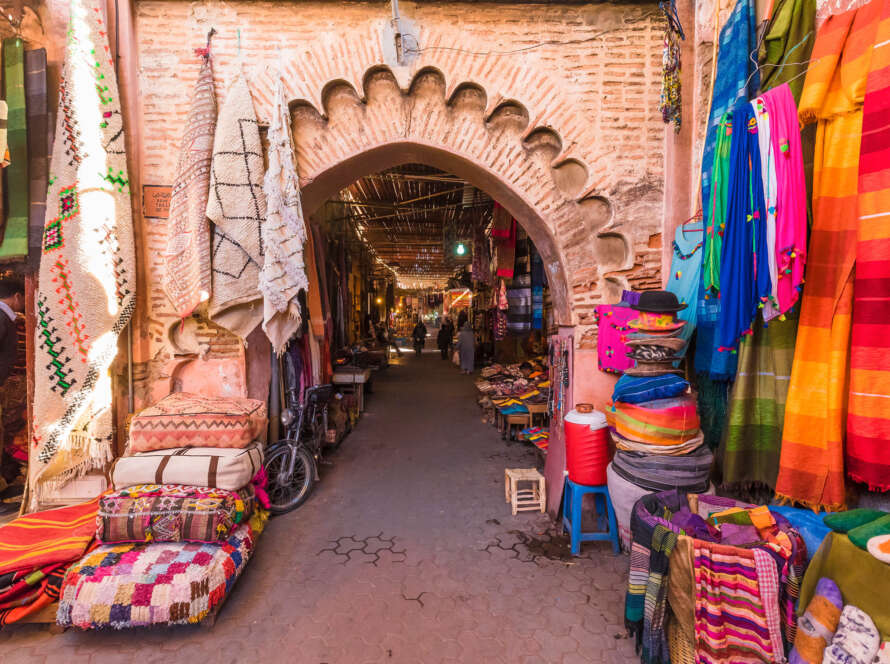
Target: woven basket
{"x": 682, "y": 649}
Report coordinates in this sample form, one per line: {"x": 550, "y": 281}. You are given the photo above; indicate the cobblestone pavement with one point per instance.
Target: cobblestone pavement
{"x": 406, "y": 552}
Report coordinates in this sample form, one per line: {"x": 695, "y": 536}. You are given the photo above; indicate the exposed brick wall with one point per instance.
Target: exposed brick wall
{"x": 570, "y": 128}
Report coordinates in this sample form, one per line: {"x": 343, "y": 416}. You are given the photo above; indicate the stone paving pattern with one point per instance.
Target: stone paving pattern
{"x": 406, "y": 552}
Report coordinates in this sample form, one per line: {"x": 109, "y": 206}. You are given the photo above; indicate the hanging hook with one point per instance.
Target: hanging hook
{"x": 205, "y": 52}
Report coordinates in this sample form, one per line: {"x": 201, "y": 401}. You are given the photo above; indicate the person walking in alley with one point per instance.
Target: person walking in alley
{"x": 445, "y": 337}
{"x": 466, "y": 346}
{"x": 419, "y": 336}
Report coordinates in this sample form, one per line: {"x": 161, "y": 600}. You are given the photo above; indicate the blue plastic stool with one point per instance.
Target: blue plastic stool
{"x": 573, "y": 496}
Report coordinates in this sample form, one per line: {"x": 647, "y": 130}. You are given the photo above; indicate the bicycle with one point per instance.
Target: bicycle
{"x": 292, "y": 462}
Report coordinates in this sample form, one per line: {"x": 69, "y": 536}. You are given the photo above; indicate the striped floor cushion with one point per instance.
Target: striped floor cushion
{"x": 172, "y": 513}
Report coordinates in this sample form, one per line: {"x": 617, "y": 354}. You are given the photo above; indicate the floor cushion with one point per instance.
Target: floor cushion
{"x": 183, "y": 419}
{"x": 172, "y": 513}
{"x": 163, "y": 583}
{"x": 222, "y": 468}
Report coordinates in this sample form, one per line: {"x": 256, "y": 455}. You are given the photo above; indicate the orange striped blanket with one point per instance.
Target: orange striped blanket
{"x": 36, "y": 540}
{"x": 811, "y": 467}
{"x": 868, "y": 418}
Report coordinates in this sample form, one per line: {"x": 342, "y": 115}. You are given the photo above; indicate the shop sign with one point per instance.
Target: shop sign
{"x": 156, "y": 201}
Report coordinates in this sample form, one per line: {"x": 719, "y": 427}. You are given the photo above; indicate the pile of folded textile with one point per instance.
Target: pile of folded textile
{"x": 182, "y": 520}
{"x": 729, "y": 572}
{"x": 509, "y": 389}
{"x": 537, "y": 436}
{"x": 35, "y": 552}
{"x": 653, "y": 418}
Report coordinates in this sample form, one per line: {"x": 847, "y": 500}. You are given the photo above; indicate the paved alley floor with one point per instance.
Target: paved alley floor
{"x": 406, "y": 552}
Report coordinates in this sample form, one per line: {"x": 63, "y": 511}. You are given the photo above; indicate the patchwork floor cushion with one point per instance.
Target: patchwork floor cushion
{"x": 183, "y": 419}
{"x": 172, "y": 513}
{"x": 223, "y": 468}
{"x": 163, "y": 583}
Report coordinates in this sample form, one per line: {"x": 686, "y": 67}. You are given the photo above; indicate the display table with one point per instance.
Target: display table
{"x": 356, "y": 378}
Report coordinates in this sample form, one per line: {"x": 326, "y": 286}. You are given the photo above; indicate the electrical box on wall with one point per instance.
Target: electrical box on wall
{"x": 399, "y": 39}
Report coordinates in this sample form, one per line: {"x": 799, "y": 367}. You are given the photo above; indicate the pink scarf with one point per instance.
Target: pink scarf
{"x": 791, "y": 198}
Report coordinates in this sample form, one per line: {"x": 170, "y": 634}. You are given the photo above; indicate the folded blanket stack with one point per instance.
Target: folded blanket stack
{"x": 35, "y": 552}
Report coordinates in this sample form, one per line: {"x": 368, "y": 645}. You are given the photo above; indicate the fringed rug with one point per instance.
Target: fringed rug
{"x": 237, "y": 207}
{"x": 82, "y": 305}
{"x": 187, "y": 257}
{"x": 284, "y": 233}
{"x": 166, "y": 583}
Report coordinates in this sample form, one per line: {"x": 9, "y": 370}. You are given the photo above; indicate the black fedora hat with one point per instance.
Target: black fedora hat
{"x": 659, "y": 302}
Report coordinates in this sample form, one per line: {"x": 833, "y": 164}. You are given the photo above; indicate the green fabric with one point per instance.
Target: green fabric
{"x": 15, "y": 237}
{"x": 717, "y": 209}
{"x": 844, "y": 522}
{"x": 788, "y": 43}
{"x": 752, "y": 439}
{"x": 862, "y": 579}
{"x": 861, "y": 534}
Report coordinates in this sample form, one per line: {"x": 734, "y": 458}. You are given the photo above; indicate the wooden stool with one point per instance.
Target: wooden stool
{"x": 533, "y": 498}
{"x": 523, "y": 420}
{"x": 537, "y": 409}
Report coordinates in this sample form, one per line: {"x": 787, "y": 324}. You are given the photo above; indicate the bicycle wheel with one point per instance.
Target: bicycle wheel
{"x": 286, "y": 494}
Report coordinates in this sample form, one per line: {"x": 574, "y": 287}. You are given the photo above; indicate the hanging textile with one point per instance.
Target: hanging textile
{"x": 284, "y": 232}
{"x": 770, "y": 196}
{"x": 736, "y": 80}
{"x": 811, "y": 467}
{"x": 611, "y": 338}
{"x": 868, "y": 419}
{"x": 237, "y": 207}
{"x": 671, "y": 101}
{"x": 685, "y": 275}
{"x": 787, "y": 44}
{"x": 4, "y": 156}
{"x": 791, "y": 197}
{"x": 82, "y": 305}
{"x": 750, "y": 447}
{"x": 519, "y": 310}
{"x": 537, "y": 290}
{"x": 39, "y": 148}
{"x": 14, "y": 245}
{"x": 716, "y": 206}
{"x": 481, "y": 256}
{"x": 744, "y": 271}
{"x": 186, "y": 277}
{"x": 4, "y": 143}
{"x": 503, "y": 235}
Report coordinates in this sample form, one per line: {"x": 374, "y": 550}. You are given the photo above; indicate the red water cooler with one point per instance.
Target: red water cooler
{"x": 587, "y": 447}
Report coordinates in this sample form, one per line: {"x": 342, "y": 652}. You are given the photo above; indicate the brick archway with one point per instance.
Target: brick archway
{"x": 328, "y": 183}
{"x": 489, "y": 140}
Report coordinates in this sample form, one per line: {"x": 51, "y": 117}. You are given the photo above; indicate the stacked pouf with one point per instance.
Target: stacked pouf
{"x": 653, "y": 417}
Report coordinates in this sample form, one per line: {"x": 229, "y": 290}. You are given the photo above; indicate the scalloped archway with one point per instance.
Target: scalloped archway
{"x": 492, "y": 144}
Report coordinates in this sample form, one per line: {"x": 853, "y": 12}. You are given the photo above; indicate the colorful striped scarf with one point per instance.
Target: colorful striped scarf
{"x": 15, "y": 236}
{"x": 736, "y": 605}
{"x": 744, "y": 269}
{"x": 811, "y": 469}
{"x": 868, "y": 419}
{"x": 750, "y": 448}
{"x": 654, "y": 538}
